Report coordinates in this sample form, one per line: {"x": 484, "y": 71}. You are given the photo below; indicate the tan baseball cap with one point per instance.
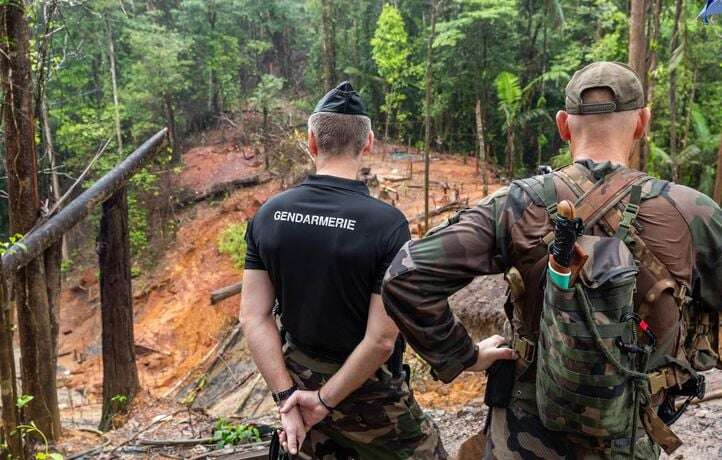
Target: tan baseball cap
{"x": 619, "y": 78}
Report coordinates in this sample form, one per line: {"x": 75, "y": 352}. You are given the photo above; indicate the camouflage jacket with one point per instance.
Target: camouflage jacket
{"x": 681, "y": 226}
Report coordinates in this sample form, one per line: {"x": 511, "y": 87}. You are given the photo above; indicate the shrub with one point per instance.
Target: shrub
{"x": 232, "y": 242}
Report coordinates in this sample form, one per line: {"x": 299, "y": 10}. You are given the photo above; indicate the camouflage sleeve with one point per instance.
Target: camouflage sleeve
{"x": 427, "y": 271}
{"x": 704, "y": 219}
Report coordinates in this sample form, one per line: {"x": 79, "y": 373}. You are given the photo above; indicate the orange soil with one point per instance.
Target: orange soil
{"x": 174, "y": 320}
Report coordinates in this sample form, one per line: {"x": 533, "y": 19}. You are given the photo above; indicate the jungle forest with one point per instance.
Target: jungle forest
{"x": 138, "y": 138}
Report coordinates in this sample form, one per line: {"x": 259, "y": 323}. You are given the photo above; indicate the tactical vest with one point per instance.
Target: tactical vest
{"x": 611, "y": 204}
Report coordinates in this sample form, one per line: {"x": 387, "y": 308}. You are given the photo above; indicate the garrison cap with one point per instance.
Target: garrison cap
{"x": 341, "y": 99}
{"x": 617, "y": 77}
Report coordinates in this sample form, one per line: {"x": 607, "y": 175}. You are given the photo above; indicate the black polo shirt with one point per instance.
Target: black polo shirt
{"x": 326, "y": 244}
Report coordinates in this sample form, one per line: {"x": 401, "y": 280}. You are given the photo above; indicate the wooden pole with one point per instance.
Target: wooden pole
{"x": 120, "y": 374}
{"x": 8, "y": 380}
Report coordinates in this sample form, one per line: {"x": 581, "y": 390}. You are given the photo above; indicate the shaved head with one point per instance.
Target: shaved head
{"x": 603, "y": 125}
{"x": 603, "y": 136}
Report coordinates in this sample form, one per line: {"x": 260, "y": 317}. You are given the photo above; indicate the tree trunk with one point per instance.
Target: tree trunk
{"x": 510, "y": 153}
{"x": 54, "y": 177}
{"x": 673, "y": 94}
{"x": 34, "y": 321}
{"x": 482, "y": 146}
{"x": 52, "y": 258}
{"x": 637, "y": 58}
{"x": 427, "y": 118}
{"x": 328, "y": 29}
{"x": 8, "y": 387}
{"x": 172, "y": 133}
{"x": 120, "y": 374}
{"x": 718, "y": 178}
{"x": 114, "y": 80}
{"x": 652, "y": 47}
{"x": 266, "y": 147}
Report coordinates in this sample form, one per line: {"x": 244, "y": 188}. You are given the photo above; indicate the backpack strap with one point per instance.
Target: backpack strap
{"x": 630, "y": 212}
{"x": 618, "y": 222}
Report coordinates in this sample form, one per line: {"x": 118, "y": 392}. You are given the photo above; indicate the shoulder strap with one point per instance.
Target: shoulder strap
{"x": 597, "y": 201}
{"x": 607, "y": 195}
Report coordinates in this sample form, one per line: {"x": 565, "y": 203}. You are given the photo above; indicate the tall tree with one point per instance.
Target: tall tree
{"x": 637, "y": 55}
{"x": 328, "y": 28}
{"x": 114, "y": 82}
{"x": 391, "y": 53}
{"x": 120, "y": 374}
{"x": 427, "y": 107}
{"x": 676, "y": 49}
{"x": 33, "y": 309}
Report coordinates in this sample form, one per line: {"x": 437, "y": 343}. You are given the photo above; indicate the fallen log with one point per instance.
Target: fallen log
{"x": 174, "y": 442}
{"x": 189, "y": 197}
{"x": 453, "y": 206}
{"x": 395, "y": 178}
{"x": 226, "y": 292}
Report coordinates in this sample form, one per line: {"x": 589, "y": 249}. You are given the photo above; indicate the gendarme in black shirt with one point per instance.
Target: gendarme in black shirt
{"x": 326, "y": 245}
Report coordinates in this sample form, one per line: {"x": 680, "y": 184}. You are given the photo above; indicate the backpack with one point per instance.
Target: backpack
{"x": 593, "y": 378}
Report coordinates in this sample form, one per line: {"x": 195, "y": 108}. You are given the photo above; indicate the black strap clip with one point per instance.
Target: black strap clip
{"x": 644, "y": 327}
{"x": 695, "y": 387}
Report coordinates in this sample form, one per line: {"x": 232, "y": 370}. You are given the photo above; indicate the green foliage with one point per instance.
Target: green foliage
{"x": 391, "y": 53}
{"x": 232, "y": 242}
{"x": 14, "y": 239}
{"x": 31, "y": 429}
{"x": 198, "y": 58}
{"x": 24, "y": 400}
{"x": 120, "y": 403}
{"x": 228, "y": 434}
{"x": 564, "y": 158}
{"x": 265, "y": 95}
{"x": 508, "y": 92}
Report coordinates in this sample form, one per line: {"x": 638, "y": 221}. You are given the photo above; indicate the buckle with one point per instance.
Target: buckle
{"x": 658, "y": 381}
{"x": 525, "y": 348}
{"x": 632, "y": 207}
{"x": 662, "y": 379}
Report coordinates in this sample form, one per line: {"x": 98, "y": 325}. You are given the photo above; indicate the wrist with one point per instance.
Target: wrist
{"x": 280, "y": 397}
{"x": 325, "y": 403}
{"x": 472, "y": 359}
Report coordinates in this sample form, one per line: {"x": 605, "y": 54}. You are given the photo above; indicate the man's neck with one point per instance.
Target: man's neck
{"x": 343, "y": 167}
{"x": 599, "y": 153}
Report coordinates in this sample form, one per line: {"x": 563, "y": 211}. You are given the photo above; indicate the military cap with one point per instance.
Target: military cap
{"x": 617, "y": 77}
{"x": 341, "y": 99}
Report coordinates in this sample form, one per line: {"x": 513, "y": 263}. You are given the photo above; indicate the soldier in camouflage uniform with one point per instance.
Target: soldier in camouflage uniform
{"x": 321, "y": 249}
{"x": 681, "y": 228}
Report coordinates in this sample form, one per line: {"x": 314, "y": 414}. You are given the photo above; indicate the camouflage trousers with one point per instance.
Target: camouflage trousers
{"x": 516, "y": 432}
{"x": 379, "y": 421}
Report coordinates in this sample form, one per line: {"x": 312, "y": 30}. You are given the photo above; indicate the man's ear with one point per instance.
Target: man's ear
{"x": 563, "y": 125}
{"x": 369, "y": 145}
{"x": 312, "y": 145}
{"x": 643, "y": 117}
